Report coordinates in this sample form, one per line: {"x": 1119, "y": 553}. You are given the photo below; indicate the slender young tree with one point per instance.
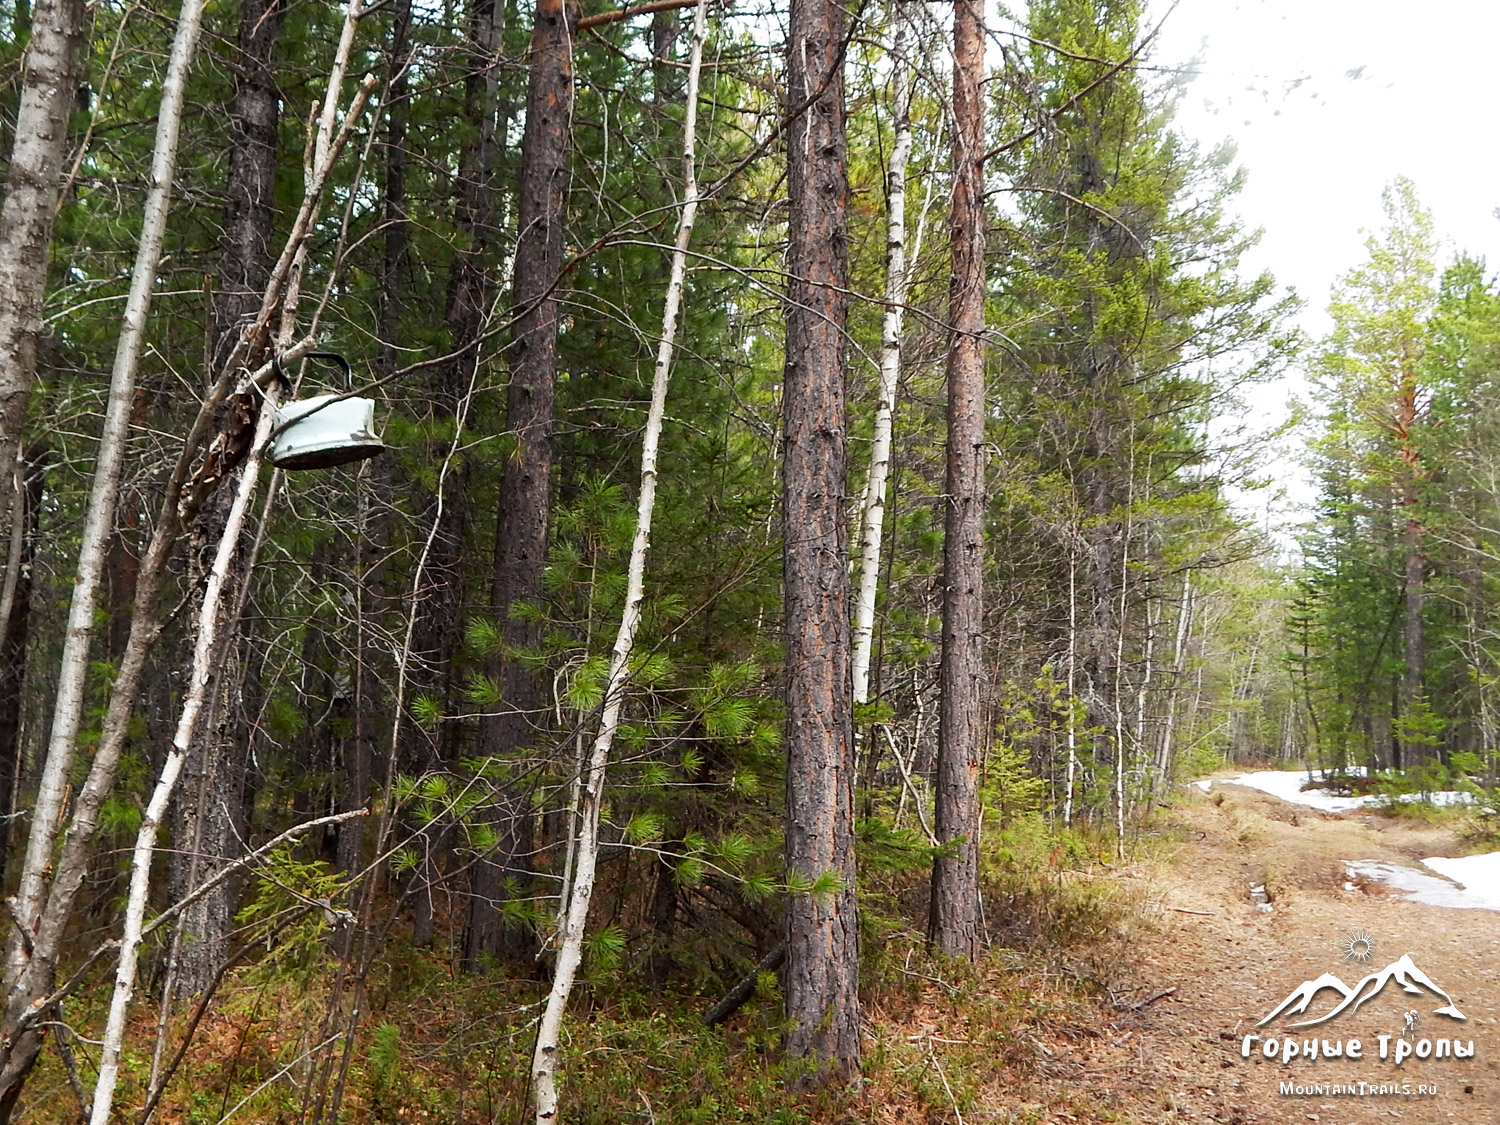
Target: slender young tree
{"x": 873, "y": 506}
{"x": 954, "y": 922}
{"x": 822, "y": 929}
{"x": 581, "y": 888}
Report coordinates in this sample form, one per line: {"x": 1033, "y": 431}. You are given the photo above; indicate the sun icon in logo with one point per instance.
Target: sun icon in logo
{"x": 1358, "y": 946}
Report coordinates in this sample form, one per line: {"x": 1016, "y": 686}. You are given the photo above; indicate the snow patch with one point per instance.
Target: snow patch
{"x": 1478, "y": 874}
{"x": 1287, "y": 785}
{"x": 1417, "y": 886}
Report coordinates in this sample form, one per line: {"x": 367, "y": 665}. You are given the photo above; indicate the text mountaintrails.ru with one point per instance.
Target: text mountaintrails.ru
{"x": 1358, "y": 1089}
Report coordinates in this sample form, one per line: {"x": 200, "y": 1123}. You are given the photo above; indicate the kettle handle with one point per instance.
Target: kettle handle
{"x": 340, "y": 360}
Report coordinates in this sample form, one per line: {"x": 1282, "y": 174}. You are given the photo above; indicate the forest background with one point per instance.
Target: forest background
{"x": 802, "y": 533}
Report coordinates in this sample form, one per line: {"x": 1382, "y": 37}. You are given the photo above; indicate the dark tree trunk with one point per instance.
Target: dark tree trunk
{"x": 207, "y": 826}
{"x": 1411, "y": 704}
{"x": 664, "y": 81}
{"x": 822, "y": 931}
{"x": 125, "y": 553}
{"x": 526, "y": 483}
{"x": 206, "y": 815}
{"x": 15, "y": 631}
{"x": 954, "y": 922}
{"x": 371, "y": 733}
{"x": 253, "y": 117}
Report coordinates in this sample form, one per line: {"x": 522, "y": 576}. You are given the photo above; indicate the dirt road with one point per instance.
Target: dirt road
{"x": 1231, "y": 964}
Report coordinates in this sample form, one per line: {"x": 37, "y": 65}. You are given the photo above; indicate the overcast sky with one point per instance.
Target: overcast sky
{"x": 1328, "y": 101}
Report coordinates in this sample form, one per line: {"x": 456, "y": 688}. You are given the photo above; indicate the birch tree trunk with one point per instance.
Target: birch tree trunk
{"x": 1179, "y": 649}
{"x": 544, "y": 1061}
{"x": 1072, "y": 685}
{"x": 822, "y": 930}
{"x": 873, "y": 516}
{"x": 214, "y": 622}
{"x": 218, "y": 613}
{"x": 954, "y": 922}
{"x": 50, "y": 72}
{"x": 109, "y": 461}
{"x": 46, "y": 909}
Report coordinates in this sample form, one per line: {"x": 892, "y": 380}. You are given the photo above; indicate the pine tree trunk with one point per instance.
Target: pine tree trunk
{"x": 822, "y": 930}
{"x": 1415, "y": 596}
{"x": 245, "y": 262}
{"x": 579, "y": 890}
{"x": 953, "y": 925}
{"x": 526, "y": 482}
{"x": 208, "y": 813}
{"x": 51, "y": 71}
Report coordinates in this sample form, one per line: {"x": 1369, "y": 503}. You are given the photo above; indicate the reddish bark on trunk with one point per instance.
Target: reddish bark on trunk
{"x": 822, "y": 968}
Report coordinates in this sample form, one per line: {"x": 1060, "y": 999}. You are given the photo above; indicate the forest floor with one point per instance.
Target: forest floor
{"x": 1114, "y": 995}
{"x": 1178, "y": 1057}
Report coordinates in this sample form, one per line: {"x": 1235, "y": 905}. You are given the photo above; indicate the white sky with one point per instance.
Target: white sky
{"x": 1328, "y": 100}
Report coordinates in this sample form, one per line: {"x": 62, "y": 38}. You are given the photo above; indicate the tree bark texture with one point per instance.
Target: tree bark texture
{"x": 954, "y": 921}
{"x": 15, "y": 631}
{"x": 254, "y": 113}
{"x": 526, "y": 483}
{"x": 822, "y": 931}
{"x": 873, "y": 508}
{"x": 205, "y": 819}
{"x": 53, "y": 788}
{"x": 50, "y": 74}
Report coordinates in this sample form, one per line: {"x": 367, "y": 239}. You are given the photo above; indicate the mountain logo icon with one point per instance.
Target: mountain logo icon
{"x": 1403, "y": 971}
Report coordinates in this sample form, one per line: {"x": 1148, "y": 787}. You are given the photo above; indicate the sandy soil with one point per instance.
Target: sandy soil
{"x": 1179, "y": 1057}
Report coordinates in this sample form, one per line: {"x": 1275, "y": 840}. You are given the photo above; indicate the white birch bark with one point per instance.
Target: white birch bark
{"x": 1120, "y": 662}
{"x": 48, "y": 87}
{"x": 207, "y": 666}
{"x": 208, "y": 650}
{"x": 1184, "y": 625}
{"x": 1072, "y": 685}
{"x": 873, "y": 508}
{"x": 109, "y": 461}
{"x": 544, "y": 1061}
{"x": 1152, "y": 611}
